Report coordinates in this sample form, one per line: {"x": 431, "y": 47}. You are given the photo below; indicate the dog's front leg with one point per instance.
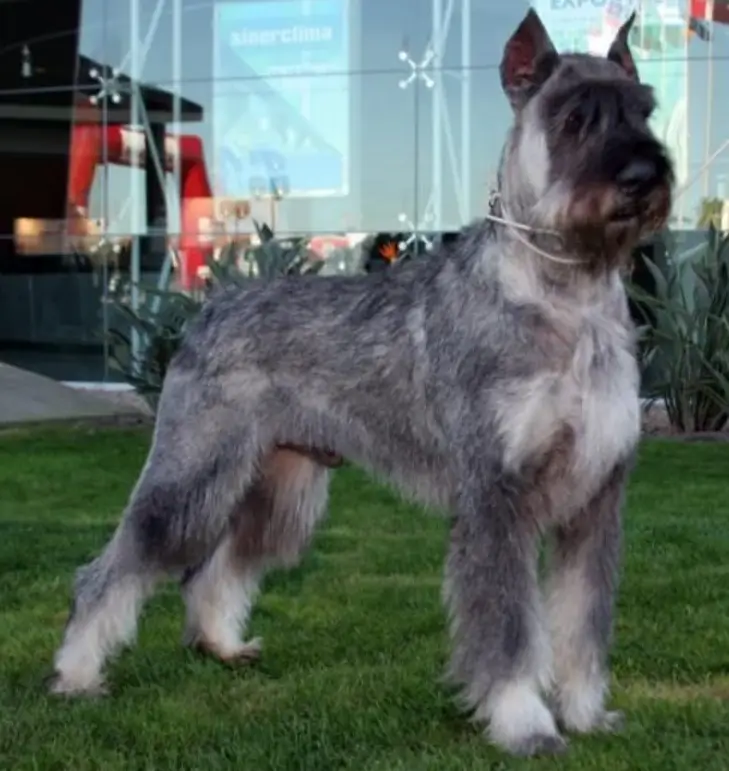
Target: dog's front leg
{"x": 500, "y": 647}
{"x": 581, "y": 591}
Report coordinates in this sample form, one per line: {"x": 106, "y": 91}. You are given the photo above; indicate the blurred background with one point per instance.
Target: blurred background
{"x": 139, "y": 139}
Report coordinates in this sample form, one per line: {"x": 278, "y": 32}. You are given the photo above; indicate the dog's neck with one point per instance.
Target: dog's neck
{"x": 536, "y": 266}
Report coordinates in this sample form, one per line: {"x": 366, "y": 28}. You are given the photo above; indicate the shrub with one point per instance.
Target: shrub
{"x": 685, "y": 340}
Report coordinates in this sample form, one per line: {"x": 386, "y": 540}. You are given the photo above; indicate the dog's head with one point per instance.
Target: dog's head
{"x": 582, "y": 152}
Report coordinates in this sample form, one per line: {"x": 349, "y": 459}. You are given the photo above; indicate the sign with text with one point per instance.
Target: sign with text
{"x": 282, "y": 98}
{"x": 568, "y": 21}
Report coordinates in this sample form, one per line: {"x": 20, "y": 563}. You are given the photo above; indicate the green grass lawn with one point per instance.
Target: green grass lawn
{"x": 355, "y": 638}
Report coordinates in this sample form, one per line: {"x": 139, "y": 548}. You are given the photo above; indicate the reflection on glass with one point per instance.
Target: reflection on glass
{"x": 143, "y": 138}
{"x": 286, "y": 136}
{"x": 281, "y": 126}
{"x": 269, "y": 142}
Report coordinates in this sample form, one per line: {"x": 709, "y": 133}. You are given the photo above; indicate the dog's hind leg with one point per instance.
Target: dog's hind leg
{"x": 580, "y": 594}
{"x": 272, "y": 527}
{"x": 501, "y": 651}
{"x": 219, "y": 595}
{"x": 109, "y": 593}
{"x": 179, "y": 510}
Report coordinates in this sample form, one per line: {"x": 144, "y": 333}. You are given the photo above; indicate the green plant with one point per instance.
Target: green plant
{"x": 710, "y": 212}
{"x": 145, "y": 334}
{"x": 144, "y": 338}
{"x": 685, "y": 340}
{"x": 279, "y": 257}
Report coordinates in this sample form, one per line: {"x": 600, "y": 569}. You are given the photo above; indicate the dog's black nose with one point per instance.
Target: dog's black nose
{"x": 637, "y": 173}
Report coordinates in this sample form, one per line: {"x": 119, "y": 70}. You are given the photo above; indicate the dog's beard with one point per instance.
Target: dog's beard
{"x": 657, "y": 209}
{"x": 601, "y": 221}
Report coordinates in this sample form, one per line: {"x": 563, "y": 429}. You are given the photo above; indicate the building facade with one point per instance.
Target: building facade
{"x": 138, "y": 135}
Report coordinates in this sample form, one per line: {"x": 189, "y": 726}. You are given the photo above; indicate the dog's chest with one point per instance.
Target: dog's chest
{"x": 580, "y": 418}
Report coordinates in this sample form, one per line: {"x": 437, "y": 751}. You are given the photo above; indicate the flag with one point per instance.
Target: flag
{"x": 710, "y": 10}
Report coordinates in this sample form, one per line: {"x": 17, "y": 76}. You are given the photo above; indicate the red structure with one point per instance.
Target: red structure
{"x": 93, "y": 144}
{"x": 710, "y": 10}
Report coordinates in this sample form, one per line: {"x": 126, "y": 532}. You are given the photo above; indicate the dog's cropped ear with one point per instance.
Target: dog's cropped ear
{"x": 529, "y": 59}
{"x": 619, "y": 50}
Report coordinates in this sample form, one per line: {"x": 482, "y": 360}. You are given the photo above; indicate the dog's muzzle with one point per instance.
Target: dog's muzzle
{"x": 640, "y": 175}
{"x": 643, "y": 184}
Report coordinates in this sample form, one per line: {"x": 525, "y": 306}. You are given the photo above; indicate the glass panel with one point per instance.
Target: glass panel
{"x": 706, "y": 83}
{"x": 472, "y": 33}
{"x": 461, "y": 126}
{"x": 174, "y": 38}
{"x": 367, "y": 35}
{"x": 307, "y": 154}
{"x": 143, "y": 154}
{"x": 362, "y": 36}
{"x": 51, "y": 310}
{"x": 39, "y": 42}
{"x": 51, "y": 272}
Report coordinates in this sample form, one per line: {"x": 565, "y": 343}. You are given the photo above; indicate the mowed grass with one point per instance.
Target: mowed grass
{"x": 355, "y": 639}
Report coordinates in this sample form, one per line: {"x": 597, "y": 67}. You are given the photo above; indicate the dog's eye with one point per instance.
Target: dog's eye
{"x": 574, "y": 122}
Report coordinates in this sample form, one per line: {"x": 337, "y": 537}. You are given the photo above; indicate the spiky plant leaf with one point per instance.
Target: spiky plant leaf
{"x": 686, "y": 346}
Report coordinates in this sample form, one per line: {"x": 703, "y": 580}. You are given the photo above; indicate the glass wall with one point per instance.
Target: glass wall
{"x": 137, "y": 134}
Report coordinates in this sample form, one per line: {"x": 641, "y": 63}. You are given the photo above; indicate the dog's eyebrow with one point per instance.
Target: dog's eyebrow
{"x": 582, "y": 96}
{"x": 638, "y": 95}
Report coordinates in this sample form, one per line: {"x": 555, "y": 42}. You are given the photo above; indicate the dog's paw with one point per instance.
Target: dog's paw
{"x": 606, "y": 722}
{"x": 240, "y": 655}
{"x": 247, "y": 653}
{"x": 610, "y": 722}
{"x": 539, "y": 745}
{"x": 521, "y": 723}
{"x": 58, "y": 685}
